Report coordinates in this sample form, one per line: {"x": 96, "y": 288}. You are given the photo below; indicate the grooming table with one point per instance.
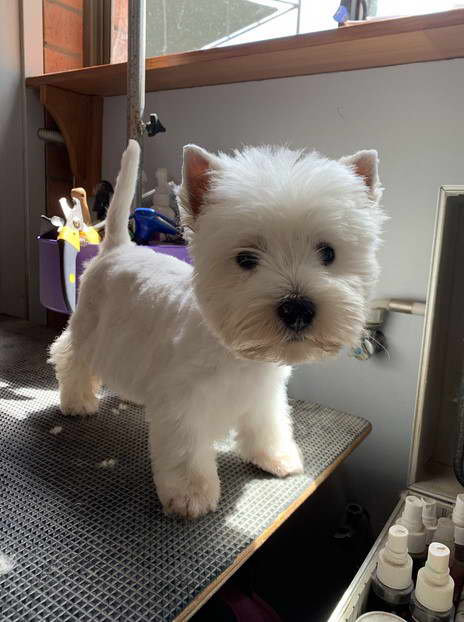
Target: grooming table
{"x": 80, "y": 516}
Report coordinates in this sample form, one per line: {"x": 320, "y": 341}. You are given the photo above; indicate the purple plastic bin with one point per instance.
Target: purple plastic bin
{"x": 51, "y": 294}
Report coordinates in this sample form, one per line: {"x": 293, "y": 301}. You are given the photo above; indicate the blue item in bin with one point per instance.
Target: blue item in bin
{"x": 148, "y": 222}
{"x": 342, "y": 14}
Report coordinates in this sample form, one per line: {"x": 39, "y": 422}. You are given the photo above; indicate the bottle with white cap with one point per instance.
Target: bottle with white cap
{"x": 379, "y": 616}
{"x": 457, "y": 569}
{"x": 432, "y": 600}
{"x": 392, "y": 585}
{"x": 444, "y": 534}
{"x": 459, "y": 617}
{"x": 162, "y": 196}
{"x": 429, "y": 518}
{"x": 411, "y": 518}
{"x": 458, "y": 511}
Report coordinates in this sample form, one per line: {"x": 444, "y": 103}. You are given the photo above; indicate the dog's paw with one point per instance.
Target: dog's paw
{"x": 191, "y": 504}
{"x": 80, "y": 407}
{"x": 193, "y": 500}
{"x": 280, "y": 463}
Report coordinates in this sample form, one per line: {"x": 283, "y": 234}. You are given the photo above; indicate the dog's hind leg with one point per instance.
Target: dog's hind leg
{"x": 77, "y": 384}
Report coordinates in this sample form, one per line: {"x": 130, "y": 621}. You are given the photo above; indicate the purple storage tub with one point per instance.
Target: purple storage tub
{"x": 51, "y": 294}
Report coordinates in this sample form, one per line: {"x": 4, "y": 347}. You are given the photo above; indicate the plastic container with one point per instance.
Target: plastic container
{"x": 429, "y": 518}
{"x": 459, "y": 617}
{"x": 163, "y": 201}
{"x": 161, "y": 198}
{"x": 445, "y": 533}
{"x": 457, "y": 569}
{"x": 458, "y": 511}
{"x": 379, "y": 616}
{"x": 432, "y": 600}
{"x": 51, "y": 294}
{"x": 411, "y": 518}
{"x": 392, "y": 585}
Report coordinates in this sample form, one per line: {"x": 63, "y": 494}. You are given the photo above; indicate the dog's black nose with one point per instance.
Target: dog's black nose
{"x": 296, "y": 312}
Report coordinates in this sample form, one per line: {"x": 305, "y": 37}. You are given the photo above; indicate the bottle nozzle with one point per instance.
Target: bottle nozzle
{"x": 434, "y": 588}
{"x": 429, "y": 510}
{"x": 429, "y": 518}
{"x": 394, "y": 566}
{"x": 438, "y": 557}
{"x": 412, "y": 520}
{"x": 398, "y": 539}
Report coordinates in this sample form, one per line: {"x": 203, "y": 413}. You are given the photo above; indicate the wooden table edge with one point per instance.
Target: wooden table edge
{"x": 213, "y": 587}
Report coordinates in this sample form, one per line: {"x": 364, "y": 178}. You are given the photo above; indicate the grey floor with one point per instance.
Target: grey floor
{"x": 79, "y": 515}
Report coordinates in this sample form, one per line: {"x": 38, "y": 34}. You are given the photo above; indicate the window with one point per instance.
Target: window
{"x": 184, "y": 25}
{"x": 175, "y": 26}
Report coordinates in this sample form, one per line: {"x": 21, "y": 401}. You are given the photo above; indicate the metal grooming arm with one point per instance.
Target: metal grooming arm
{"x": 136, "y": 45}
{"x": 136, "y": 83}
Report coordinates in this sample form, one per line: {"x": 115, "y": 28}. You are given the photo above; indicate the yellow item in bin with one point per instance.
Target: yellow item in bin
{"x": 75, "y": 220}
{"x": 69, "y": 244}
{"x": 90, "y": 234}
{"x": 70, "y": 235}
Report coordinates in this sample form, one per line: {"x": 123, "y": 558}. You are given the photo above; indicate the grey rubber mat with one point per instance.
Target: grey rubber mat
{"x": 79, "y": 514}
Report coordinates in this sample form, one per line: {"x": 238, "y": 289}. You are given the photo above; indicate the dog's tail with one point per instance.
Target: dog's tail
{"x": 116, "y": 231}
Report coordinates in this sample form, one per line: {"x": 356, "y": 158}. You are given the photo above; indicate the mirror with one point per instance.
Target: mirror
{"x": 439, "y": 394}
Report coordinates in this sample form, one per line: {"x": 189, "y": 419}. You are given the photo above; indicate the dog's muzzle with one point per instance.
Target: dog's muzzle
{"x": 296, "y": 312}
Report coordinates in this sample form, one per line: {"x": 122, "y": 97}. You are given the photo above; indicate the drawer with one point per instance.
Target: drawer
{"x": 353, "y": 602}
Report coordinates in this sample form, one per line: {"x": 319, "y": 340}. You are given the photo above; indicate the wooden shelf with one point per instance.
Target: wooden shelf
{"x": 397, "y": 41}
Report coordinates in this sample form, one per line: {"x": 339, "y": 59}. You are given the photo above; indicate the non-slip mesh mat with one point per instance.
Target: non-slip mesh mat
{"x": 89, "y": 540}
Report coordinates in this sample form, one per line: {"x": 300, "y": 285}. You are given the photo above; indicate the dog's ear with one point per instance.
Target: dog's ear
{"x": 365, "y": 164}
{"x": 197, "y": 168}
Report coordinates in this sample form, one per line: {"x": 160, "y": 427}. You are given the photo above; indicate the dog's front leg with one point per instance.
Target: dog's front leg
{"x": 265, "y": 435}
{"x": 184, "y": 467}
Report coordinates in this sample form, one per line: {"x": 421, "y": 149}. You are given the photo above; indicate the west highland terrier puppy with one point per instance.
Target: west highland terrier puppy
{"x": 284, "y": 246}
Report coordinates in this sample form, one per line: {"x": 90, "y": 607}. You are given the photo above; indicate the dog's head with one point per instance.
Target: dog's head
{"x": 284, "y": 248}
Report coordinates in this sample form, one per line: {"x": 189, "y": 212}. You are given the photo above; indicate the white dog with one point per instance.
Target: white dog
{"x": 283, "y": 245}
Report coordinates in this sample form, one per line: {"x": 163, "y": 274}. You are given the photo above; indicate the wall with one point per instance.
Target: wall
{"x": 22, "y": 198}
{"x": 413, "y": 115}
{"x": 13, "y": 296}
{"x": 34, "y": 182}
{"x": 63, "y": 35}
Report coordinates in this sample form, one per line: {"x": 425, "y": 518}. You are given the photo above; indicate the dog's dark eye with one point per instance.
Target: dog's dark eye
{"x": 247, "y": 260}
{"x": 326, "y": 253}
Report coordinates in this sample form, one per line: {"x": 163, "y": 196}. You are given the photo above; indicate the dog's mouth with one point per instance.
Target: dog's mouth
{"x": 291, "y": 351}
{"x": 296, "y": 339}
{"x": 330, "y": 347}
{"x": 320, "y": 344}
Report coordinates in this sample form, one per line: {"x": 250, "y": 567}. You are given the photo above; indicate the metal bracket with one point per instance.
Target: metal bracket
{"x": 154, "y": 126}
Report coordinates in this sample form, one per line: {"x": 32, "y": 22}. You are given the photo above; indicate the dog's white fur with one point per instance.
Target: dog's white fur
{"x": 203, "y": 349}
